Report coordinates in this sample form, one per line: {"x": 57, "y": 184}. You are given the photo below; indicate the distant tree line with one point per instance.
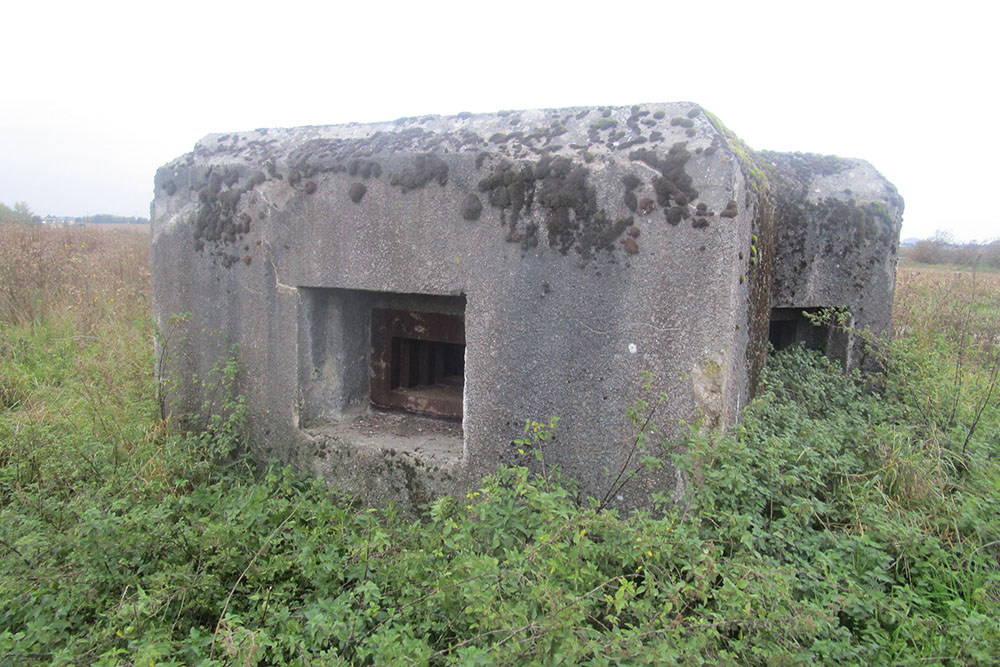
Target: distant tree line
{"x": 107, "y": 219}
{"x": 21, "y": 214}
{"x": 941, "y": 248}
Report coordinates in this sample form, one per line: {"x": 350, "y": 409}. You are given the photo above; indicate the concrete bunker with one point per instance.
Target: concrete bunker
{"x": 404, "y": 295}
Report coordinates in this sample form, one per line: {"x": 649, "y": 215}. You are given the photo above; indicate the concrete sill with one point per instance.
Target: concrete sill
{"x": 435, "y": 442}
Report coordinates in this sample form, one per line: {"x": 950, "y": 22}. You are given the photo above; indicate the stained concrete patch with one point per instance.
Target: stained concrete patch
{"x": 708, "y": 379}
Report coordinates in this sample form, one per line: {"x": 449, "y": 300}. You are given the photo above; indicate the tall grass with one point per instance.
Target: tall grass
{"x": 935, "y": 303}
{"x": 89, "y": 276}
{"x": 75, "y": 336}
{"x": 833, "y": 525}
{"x": 947, "y": 332}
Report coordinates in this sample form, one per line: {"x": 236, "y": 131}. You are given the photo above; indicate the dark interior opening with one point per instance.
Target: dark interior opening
{"x": 782, "y": 333}
{"x": 418, "y": 362}
{"x": 425, "y": 363}
{"x": 790, "y": 326}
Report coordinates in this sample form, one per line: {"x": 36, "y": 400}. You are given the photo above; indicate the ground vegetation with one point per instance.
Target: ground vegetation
{"x": 844, "y": 520}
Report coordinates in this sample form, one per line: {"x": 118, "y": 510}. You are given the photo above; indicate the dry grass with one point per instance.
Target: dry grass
{"x": 74, "y": 303}
{"x": 962, "y": 306}
{"x": 84, "y": 274}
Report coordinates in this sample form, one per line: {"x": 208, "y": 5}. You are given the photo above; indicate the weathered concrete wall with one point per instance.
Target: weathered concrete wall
{"x": 836, "y": 241}
{"x": 584, "y": 245}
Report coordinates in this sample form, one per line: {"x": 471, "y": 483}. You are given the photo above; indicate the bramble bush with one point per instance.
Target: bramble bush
{"x": 832, "y": 524}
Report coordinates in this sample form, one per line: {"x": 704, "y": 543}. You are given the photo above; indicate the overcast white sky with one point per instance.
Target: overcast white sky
{"x": 96, "y": 95}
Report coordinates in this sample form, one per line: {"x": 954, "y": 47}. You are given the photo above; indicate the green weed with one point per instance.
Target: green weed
{"x": 832, "y": 525}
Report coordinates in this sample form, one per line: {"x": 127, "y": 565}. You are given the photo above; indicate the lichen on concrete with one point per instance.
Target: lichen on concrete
{"x": 423, "y": 169}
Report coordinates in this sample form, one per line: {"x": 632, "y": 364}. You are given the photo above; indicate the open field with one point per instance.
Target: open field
{"x": 834, "y": 525}
{"x": 75, "y": 273}
{"x": 117, "y": 227}
{"x": 936, "y": 291}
